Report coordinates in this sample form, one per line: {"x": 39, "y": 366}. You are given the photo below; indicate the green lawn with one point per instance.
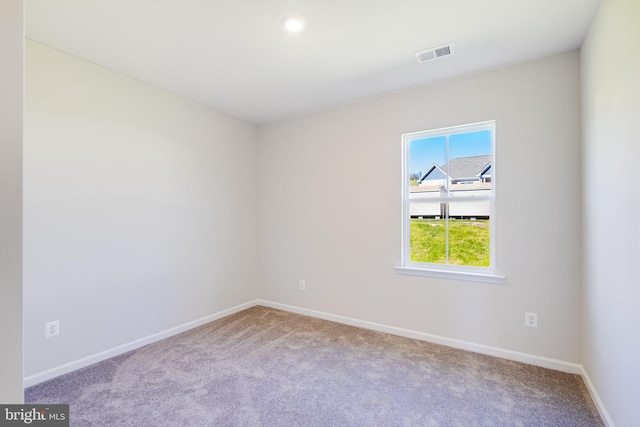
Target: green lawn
{"x": 468, "y": 241}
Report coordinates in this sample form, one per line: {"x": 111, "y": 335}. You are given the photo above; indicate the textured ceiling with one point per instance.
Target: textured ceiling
{"x": 235, "y": 55}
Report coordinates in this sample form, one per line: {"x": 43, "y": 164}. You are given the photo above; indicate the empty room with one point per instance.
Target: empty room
{"x": 314, "y": 213}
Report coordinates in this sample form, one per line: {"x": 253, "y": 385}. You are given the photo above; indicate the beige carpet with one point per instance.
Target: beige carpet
{"x": 265, "y": 367}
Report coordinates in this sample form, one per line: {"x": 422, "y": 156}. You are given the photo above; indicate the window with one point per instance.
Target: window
{"x": 448, "y": 184}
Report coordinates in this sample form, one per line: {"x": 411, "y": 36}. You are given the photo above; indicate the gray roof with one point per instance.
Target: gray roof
{"x": 467, "y": 167}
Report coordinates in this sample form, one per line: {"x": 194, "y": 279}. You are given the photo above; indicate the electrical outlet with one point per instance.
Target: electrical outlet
{"x": 302, "y": 285}
{"x": 531, "y": 320}
{"x": 51, "y": 329}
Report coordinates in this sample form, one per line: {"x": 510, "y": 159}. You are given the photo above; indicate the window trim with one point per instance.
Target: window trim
{"x": 449, "y": 271}
{"x": 455, "y": 275}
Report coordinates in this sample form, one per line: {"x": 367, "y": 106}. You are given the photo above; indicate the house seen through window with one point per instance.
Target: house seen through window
{"x": 448, "y": 192}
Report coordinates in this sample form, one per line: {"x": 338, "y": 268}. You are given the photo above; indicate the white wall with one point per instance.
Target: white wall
{"x": 611, "y": 104}
{"x": 330, "y": 201}
{"x": 139, "y": 209}
{"x": 11, "y": 116}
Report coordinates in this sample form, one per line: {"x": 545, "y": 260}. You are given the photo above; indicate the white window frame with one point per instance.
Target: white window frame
{"x": 449, "y": 271}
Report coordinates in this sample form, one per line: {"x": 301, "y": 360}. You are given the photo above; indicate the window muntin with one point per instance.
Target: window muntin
{"x": 448, "y": 192}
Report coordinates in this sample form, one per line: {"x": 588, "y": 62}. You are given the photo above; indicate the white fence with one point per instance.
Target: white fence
{"x": 425, "y": 202}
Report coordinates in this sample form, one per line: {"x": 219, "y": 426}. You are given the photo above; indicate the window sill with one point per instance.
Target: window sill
{"x": 456, "y": 275}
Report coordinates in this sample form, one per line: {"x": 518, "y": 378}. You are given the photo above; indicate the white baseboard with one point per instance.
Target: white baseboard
{"x": 530, "y": 359}
{"x": 606, "y": 418}
{"x": 121, "y": 349}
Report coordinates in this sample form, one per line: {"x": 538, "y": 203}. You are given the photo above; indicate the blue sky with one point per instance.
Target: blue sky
{"x": 425, "y": 152}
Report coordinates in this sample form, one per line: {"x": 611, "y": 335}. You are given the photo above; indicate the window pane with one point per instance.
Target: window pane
{"x": 426, "y": 158}
{"x": 447, "y": 196}
{"x": 469, "y": 242}
{"x": 469, "y": 163}
{"x": 428, "y": 235}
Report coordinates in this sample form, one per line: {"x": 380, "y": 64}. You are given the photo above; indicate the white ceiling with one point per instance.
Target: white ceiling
{"x": 234, "y": 55}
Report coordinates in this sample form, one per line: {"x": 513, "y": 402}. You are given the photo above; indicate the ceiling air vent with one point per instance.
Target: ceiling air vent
{"x": 434, "y": 53}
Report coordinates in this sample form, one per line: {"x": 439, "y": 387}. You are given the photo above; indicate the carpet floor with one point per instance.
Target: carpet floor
{"x": 266, "y": 367}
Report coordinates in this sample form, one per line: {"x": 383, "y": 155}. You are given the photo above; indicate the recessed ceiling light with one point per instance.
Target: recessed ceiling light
{"x": 293, "y": 24}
